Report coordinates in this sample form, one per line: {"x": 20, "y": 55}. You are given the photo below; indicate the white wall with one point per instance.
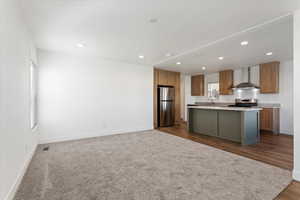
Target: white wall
{"x": 17, "y": 140}
{"x": 296, "y": 172}
{"x": 87, "y": 97}
{"x": 285, "y": 96}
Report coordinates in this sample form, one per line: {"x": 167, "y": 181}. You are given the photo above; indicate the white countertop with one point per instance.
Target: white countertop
{"x": 243, "y": 109}
{"x": 260, "y": 104}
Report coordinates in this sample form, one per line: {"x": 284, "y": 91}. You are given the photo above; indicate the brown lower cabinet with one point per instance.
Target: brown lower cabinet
{"x": 270, "y": 120}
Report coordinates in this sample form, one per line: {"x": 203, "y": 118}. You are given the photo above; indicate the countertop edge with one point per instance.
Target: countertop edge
{"x": 226, "y": 108}
{"x": 260, "y": 104}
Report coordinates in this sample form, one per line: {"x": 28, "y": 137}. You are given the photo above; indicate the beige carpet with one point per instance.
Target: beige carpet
{"x": 147, "y": 166}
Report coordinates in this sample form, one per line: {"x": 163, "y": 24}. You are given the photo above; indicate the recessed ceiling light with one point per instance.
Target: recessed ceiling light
{"x": 221, "y": 58}
{"x": 153, "y": 20}
{"x": 203, "y": 68}
{"x": 178, "y": 63}
{"x": 168, "y": 54}
{"x": 80, "y": 45}
{"x": 244, "y": 43}
{"x": 269, "y": 53}
{"x": 141, "y": 56}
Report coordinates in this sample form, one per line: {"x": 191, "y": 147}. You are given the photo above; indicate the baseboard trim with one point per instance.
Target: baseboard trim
{"x": 284, "y": 132}
{"x": 296, "y": 175}
{"x": 13, "y": 190}
{"x": 91, "y": 135}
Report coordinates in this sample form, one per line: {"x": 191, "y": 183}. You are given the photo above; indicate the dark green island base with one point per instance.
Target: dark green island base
{"x": 240, "y": 125}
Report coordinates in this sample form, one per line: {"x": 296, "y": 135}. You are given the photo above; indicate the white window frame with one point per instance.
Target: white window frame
{"x": 209, "y": 93}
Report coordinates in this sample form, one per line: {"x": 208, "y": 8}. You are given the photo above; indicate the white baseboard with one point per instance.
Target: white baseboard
{"x": 286, "y": 132}
{"x": 91, "y": 135}
{"x": 12, "y": 192}
{"x": 296, "y": 175}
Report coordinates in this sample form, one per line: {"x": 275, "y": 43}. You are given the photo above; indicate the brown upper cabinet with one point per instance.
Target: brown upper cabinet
{"x": 167, "y": 78}
{"x": 269, "y": 77}
{"x": 226, "y": 82}
{"x": 172, "y": 78}
{"x": 163, "y": 77}
{"x": 197, "y": 83}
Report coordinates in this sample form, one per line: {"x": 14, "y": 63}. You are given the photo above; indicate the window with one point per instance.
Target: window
{"x": 213, "y": 90}
{"x": 33, "y": 95}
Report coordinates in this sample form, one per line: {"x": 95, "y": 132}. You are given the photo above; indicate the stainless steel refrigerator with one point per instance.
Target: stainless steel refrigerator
{"x": 166, "y": 106}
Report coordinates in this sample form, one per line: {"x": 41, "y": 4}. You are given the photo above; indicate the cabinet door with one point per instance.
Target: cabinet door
{"x": 230, "y": 125}
{"x": 269, "y": 77}
{"x": 226, "y": 82}
{"x": 266, "y": 119}
{"x": 204, "y": 121}
{"x": 197, "y": 83}
{"x": 172, "y": 78}
{"x": 163, "y": 77}
{"x": 177, "y": 98}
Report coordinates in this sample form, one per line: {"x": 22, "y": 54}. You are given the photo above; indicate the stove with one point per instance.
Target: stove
{"x": 245, "y": 105}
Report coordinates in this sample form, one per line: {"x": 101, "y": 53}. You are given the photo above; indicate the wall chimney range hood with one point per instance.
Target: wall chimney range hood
{"x": 247, "y": 85}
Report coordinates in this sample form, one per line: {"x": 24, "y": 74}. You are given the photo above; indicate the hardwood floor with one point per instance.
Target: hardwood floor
{"x": 275, "y": 150}
{"x": 292, "y": 192}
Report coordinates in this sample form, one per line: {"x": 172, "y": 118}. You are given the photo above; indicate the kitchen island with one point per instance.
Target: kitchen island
{"x": 237, "y": 124}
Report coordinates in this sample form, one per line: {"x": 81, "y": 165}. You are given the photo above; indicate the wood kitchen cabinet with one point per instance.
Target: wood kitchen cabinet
{"x": 172, "y": 78}
{"x": 270, "y": 120}
{"x": 197, "y": 85}
{"x": 166, "y": 78}
{"x": 177, "y": 98}
{"x": 226, "y": 82}
{"x": 163, "y": 77}
{"x": 269, "y": 77}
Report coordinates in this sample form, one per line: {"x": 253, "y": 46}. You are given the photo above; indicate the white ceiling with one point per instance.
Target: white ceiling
{"x": 275, "y": 37}
{"x": 196, "y": 32}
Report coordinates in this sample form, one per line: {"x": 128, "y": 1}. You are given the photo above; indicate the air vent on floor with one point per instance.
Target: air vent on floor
{"x": 46, "y": 148}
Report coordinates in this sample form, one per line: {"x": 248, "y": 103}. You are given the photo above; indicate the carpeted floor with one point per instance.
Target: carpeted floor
{"x": 147, "y": 165}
